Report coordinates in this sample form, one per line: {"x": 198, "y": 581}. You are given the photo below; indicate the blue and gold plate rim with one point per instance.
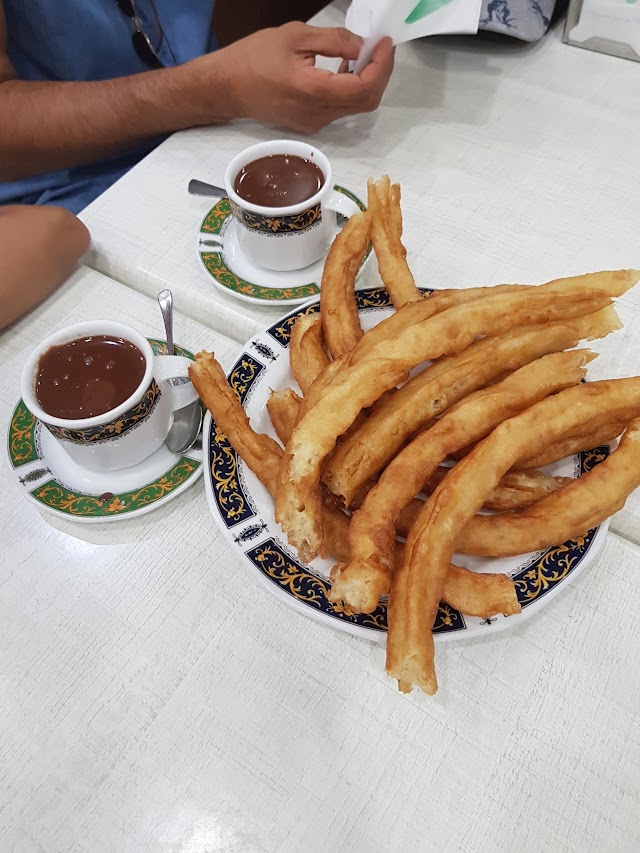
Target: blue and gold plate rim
{"x": 245, "y": 513}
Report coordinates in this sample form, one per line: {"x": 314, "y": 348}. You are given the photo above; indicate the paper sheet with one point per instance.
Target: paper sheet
{"x": 404, "y": 20}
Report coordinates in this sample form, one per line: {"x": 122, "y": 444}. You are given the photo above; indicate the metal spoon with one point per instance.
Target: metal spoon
{"x": 188, "y": 420}
{"x": 201, "y": 188}
{"x": 165, "y": 301}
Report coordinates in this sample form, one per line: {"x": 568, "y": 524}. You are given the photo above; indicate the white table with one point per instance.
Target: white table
{"x": 517, "y": 163}
{"x": 154, "y": 699}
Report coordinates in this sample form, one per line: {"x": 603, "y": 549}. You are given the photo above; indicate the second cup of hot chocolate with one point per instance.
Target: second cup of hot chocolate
{"x": 283, "y": 203}
{"x": 103, "y": 395}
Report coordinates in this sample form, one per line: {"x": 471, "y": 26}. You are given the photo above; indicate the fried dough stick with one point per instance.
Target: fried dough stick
{"x": 613, "y": 282}
{"x": 307, "y": 357}
{"x": 298, "y": 502}
{"x": 472, "y": 593}
{"x": 516, "y": 494}
{"x": 283, "y": 407}
{"x": 417, "y": 312}
{"x": 383, "y": 201}
{"x": 481, "y": 594}
{"x": 516, "y": 490}
{"x": 597, "y": 494}
{"x": 408, "y": 315}
{"x": 338, "y": 309}
{"x": 395, "y": 213}
{"x": 369, "y": 448}
{"x": 418, "y": 583}
{"x": 601, "y": 431}
{"x": 494, "y": 593}
{"x": 373, "y": 527}
{"x": 596, "y": 434}
{"x": 262, "y": 455}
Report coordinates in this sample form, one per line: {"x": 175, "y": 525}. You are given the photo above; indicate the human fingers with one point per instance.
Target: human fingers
{"x": 378, "y": 71}
{"x": 354, "y": 93}
{"x": 340, "y": 93}
{"x": 327, "y": 41}
{"x": 383, "y": 58}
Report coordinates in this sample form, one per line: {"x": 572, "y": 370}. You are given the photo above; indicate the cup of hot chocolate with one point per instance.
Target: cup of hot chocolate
{"x": 283, "y": 203}
{"x": 103, "y": 394}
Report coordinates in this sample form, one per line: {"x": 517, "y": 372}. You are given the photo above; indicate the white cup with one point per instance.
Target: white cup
{"x": 293, "y": 237}
{"x": 133, "y": 430}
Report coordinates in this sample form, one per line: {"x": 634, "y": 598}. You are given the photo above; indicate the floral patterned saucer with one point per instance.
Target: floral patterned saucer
{"x": 244, "y": 511}
{"x": 58, "y": 484}
{"x": 231, "y": 271}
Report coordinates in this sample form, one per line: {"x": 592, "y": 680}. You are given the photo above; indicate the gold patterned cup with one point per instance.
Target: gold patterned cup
{"x": 293, "y": 237}
{"x": 133, "y": 430}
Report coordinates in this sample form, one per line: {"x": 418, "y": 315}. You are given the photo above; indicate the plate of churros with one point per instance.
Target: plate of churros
{"x": 413, "y": 465}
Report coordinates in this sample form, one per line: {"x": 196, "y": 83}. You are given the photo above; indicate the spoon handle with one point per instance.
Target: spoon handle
{"x": 201, "y": 188}
{"x": 165, "y": 301}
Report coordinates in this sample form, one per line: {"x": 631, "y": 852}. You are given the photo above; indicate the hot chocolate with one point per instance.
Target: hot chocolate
{"x": 278, "y": 180}
{"x": 88, "y": 376}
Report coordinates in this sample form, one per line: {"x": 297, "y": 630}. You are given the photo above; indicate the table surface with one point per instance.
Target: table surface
{"x": 154, "y": 699}
{"x": 517, "y": 163}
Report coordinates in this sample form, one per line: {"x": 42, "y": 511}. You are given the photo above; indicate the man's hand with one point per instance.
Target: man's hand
{"x": 271, "y": 77}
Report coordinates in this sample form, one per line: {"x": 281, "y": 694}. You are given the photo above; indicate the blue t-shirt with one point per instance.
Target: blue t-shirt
{"x": 91, "y": 40}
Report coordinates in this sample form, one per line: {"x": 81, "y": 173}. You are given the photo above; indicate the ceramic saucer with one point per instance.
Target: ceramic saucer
{"x": 56, "y": 483}
{"x": 230, "y": 270}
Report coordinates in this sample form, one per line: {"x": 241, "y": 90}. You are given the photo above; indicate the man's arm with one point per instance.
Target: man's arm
{"x": 40, "y": 247}
{"x": 269, "y": 76}
{"x": 55, "y": 125}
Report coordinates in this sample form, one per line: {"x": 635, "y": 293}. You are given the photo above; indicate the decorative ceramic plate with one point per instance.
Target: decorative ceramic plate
{"x": 56, "y": 483}
{"x": 243, "y": 509}
{"x": 230, "y": 270}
